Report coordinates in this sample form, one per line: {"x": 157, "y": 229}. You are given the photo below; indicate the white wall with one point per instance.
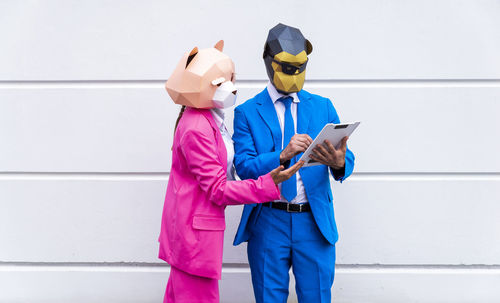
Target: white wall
{"x": 86, "y": 130}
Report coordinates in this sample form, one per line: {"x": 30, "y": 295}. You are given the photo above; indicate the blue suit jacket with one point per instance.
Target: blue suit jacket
{"x": 257, "y": 144}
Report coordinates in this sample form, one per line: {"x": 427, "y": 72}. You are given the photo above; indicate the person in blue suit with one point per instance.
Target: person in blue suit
{"x": 273, "y": 128}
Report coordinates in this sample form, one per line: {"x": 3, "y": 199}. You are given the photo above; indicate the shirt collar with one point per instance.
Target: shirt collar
{"x": 275, "y": 94}
{"x": 218, "y": 115}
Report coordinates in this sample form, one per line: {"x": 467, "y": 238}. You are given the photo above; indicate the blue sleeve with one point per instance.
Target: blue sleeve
{"x": 249, "y": 164}
{"x": 340, "y": 174}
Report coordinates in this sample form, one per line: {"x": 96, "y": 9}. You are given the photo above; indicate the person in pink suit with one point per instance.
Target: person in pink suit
{"x": 202, "y": 182}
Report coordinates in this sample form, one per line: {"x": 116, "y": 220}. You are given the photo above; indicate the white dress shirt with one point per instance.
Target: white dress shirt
{"x": 218, "y": 115}
{"x": 280, "y": 110}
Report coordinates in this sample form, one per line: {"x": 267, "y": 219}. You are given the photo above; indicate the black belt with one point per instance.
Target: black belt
{"x": 289, "y": 207}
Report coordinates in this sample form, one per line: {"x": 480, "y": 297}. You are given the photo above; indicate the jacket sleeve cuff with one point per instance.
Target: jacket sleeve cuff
{"x": 338, "y": 173}
{"x": 270, "y": 161}
{"x": 271, "y": 189}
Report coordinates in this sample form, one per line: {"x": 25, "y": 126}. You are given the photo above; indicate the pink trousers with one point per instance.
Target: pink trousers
{"x": 185, "y": 288}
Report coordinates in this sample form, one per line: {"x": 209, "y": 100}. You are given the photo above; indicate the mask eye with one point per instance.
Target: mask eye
{"x": 290, "y": 69}
{"x": 218, "y": 81}
{"x": 233, "y": 77}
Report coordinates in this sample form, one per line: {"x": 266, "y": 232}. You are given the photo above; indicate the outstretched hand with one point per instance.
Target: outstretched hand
{"x": 328, "y": 155}
{"x": 279, "y": 174}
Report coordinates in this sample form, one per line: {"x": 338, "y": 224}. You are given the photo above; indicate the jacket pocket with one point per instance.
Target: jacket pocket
{"x": 209, "y": 223}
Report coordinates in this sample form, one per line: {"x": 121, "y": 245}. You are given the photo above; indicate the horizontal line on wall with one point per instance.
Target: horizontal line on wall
{"x": 163, "y": 176}
{"x": 111, "y": 176}
{"x": 427, "y": 176}
{"x": 240, "y": 268}
{"x": 68, "y": 84}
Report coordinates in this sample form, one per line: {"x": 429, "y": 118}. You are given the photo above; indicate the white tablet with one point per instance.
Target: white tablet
{"x": 331, "y": 132}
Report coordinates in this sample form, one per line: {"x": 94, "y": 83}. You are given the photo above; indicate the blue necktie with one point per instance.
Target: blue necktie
{"x": 288, "y": 187}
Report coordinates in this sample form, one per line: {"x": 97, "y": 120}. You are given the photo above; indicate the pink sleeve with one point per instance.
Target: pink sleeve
{"x": 199, "y": 148}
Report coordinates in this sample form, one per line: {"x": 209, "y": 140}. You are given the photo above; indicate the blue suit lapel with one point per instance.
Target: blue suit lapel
{"x": 268, "y": 113}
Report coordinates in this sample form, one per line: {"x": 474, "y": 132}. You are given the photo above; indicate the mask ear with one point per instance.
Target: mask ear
{"x": 219, "y": 45}
{"x": 191, "y": 56}
{"x": 309, "y": 47}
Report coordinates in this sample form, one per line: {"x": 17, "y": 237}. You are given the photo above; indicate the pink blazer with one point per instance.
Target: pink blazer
{"x": 192, "y": 227}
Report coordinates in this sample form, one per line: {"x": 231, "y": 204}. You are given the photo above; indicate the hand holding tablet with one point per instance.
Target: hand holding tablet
{"x": 334, "y": 133}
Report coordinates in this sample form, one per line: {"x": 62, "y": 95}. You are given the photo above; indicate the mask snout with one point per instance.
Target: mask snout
{"x": 225, "y": 95}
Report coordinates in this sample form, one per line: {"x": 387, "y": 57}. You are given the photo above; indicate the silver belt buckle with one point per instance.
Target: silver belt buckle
{"x": 293, "y": 211}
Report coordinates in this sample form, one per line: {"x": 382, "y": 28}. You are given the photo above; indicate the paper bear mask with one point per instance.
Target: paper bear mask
{"x": 203, "y": 79}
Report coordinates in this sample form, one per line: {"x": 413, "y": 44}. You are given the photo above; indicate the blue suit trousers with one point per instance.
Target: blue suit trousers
{"x": 279, "y": 239}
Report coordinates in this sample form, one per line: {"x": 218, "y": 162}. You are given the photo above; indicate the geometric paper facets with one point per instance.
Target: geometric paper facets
{"x": 286, "y": 38}
{"x": 286, "y": 44}
{"x": 191, "y": 82}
